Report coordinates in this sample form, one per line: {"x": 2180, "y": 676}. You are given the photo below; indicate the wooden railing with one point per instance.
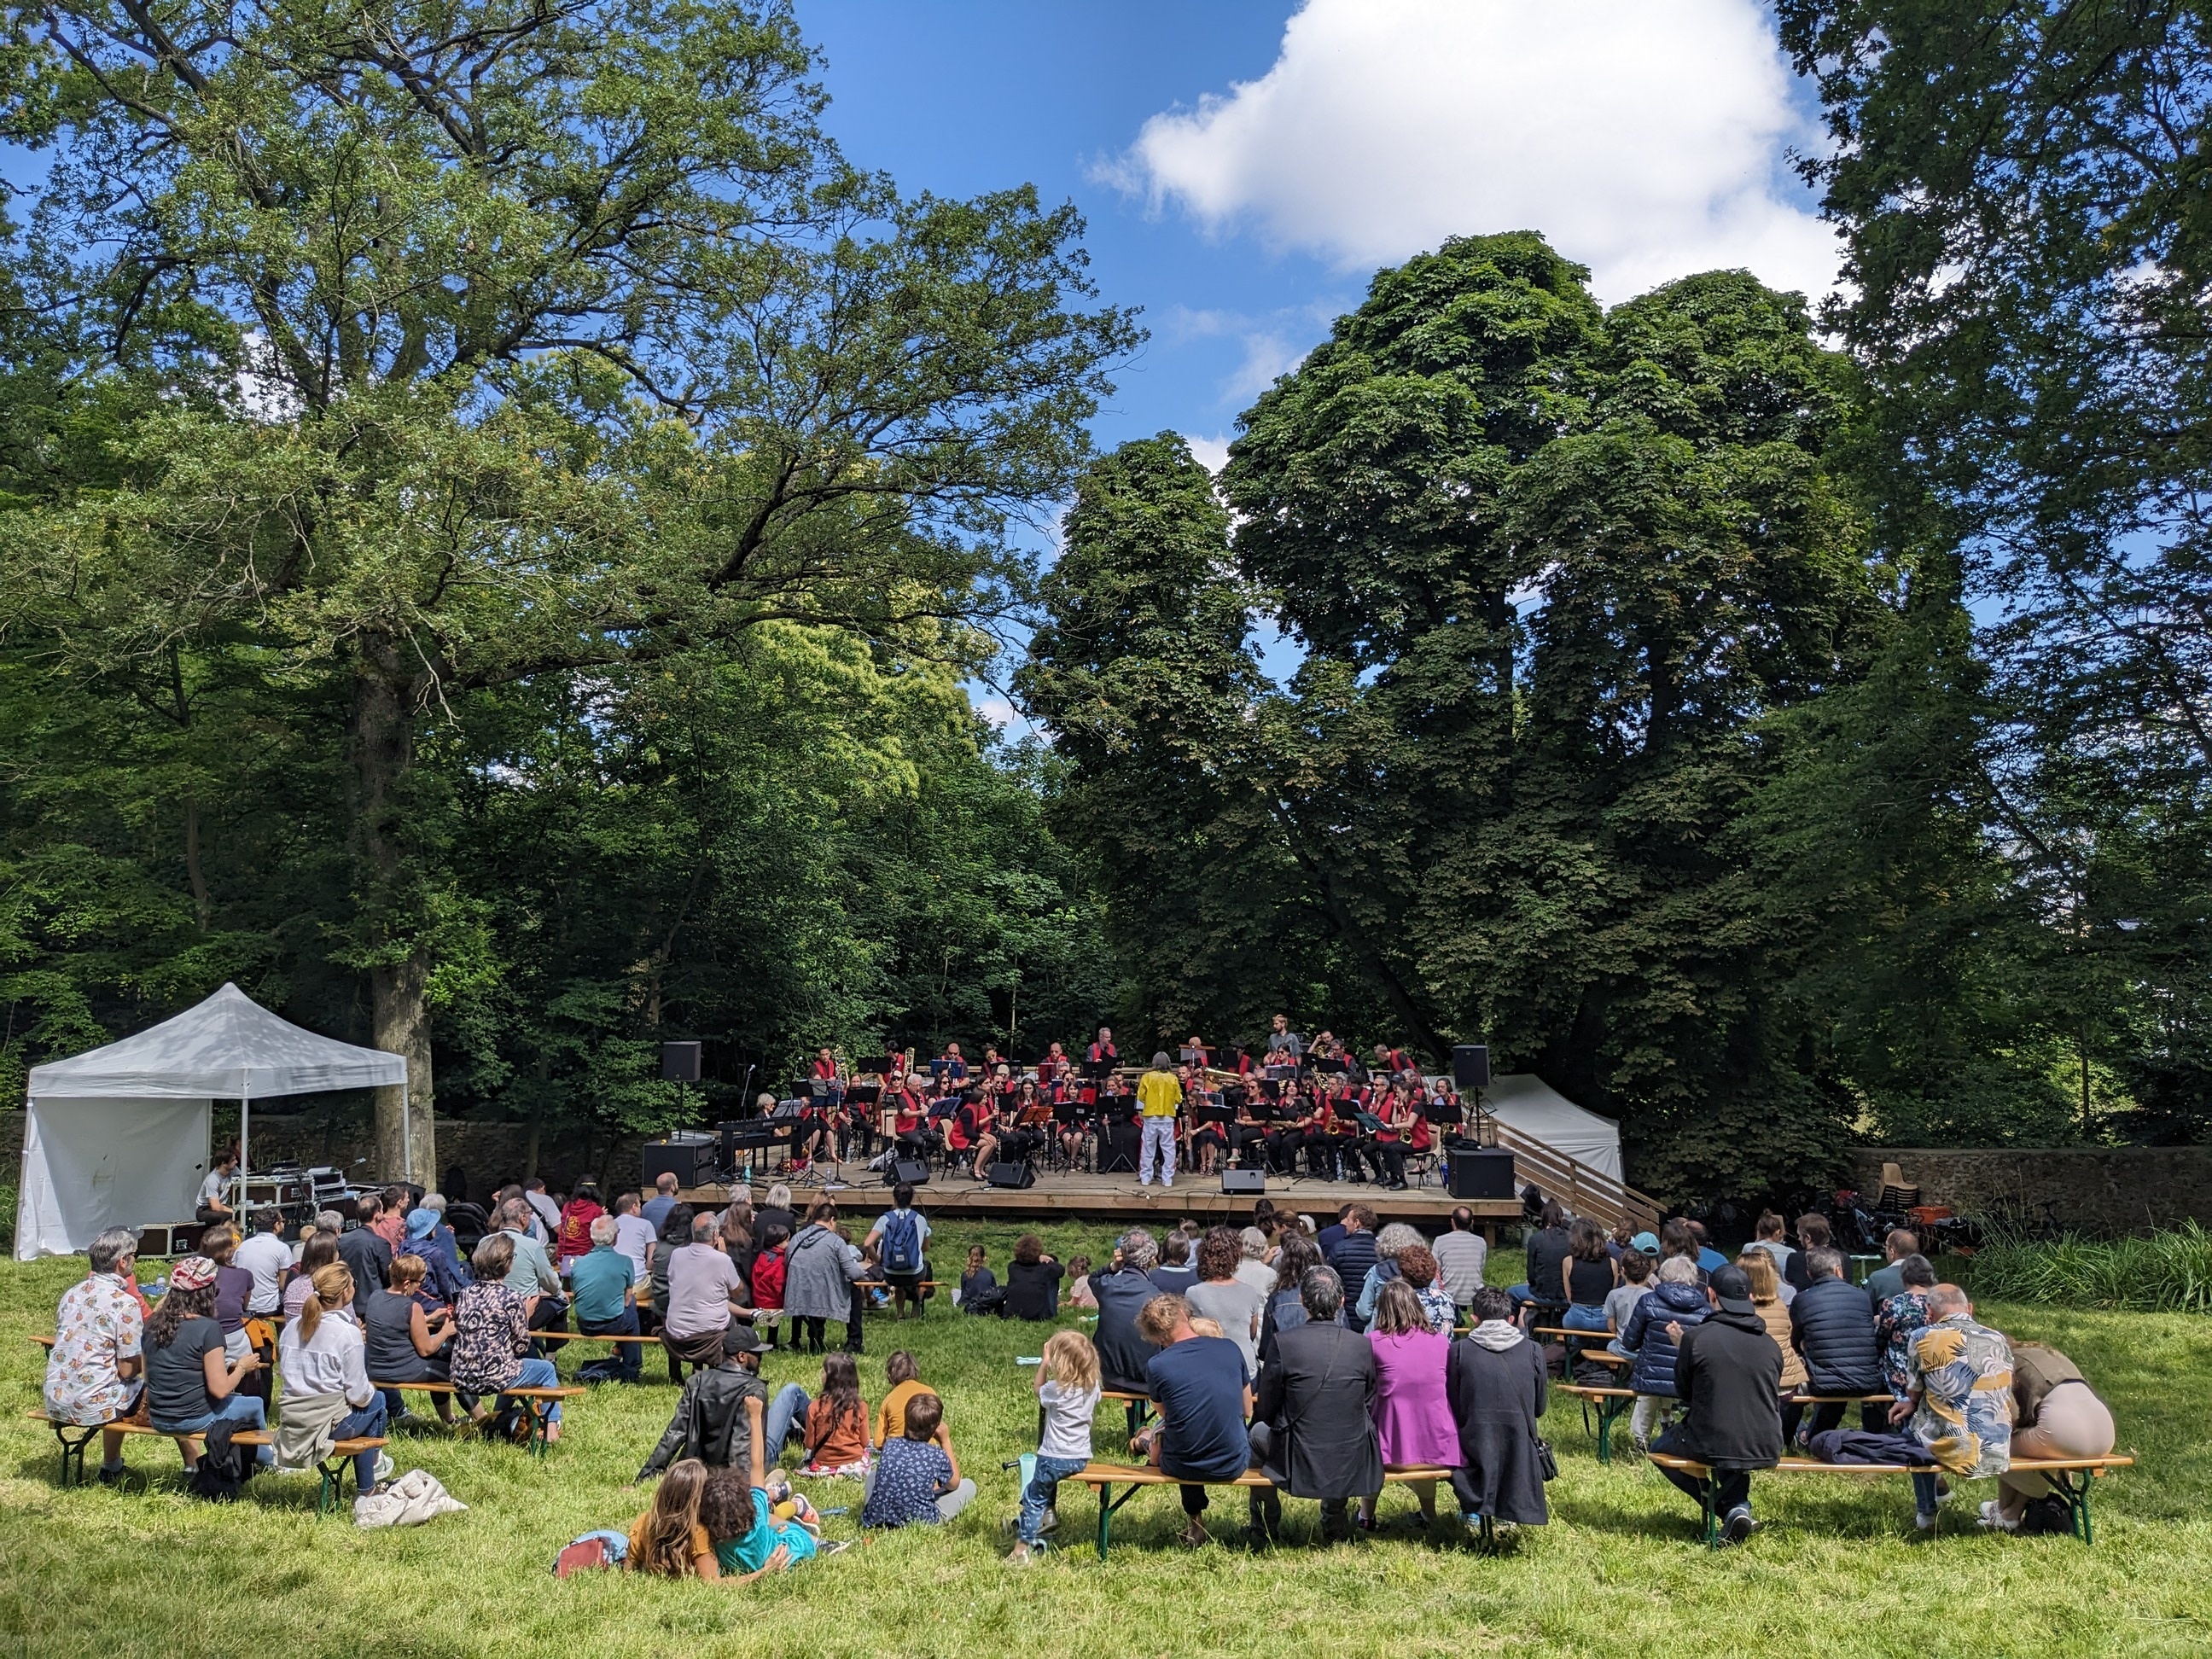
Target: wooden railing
{"x": 1582, "y": 1188}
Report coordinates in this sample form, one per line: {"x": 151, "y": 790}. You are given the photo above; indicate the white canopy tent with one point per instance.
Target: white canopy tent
{"x": 119, "y": 1136}
{"x": 1524, "y": 1102}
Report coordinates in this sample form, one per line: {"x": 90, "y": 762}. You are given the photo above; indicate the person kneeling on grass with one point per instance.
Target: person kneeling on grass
{"x": 1067, "y": 1388}
{"x": 1728, "y": 1373}
{"x": 671, "y": 1540}
{"x": 916, "y": 1479}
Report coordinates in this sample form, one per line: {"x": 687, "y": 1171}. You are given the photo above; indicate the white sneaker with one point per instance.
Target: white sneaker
{"x": 1925, "y": 1521}
{"x": 1051, "y": 1522}
{"x": 1994, "y": 1519}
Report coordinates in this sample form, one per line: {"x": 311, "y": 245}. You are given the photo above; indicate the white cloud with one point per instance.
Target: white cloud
{"x": 1211, "y": 453}
{"x": 1272, "y": 344}
{"x": 1644, "y": 138}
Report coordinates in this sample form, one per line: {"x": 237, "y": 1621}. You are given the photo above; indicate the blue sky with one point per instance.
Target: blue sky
{"x": 1244, "y": 168}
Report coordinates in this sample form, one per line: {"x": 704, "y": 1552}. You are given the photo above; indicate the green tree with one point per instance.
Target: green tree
{"x": 522, "y": 342}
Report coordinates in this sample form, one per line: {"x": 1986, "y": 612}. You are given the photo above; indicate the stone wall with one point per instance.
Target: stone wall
{"x": 2098, "y": 1189}
{"x": 488, "y": 1152}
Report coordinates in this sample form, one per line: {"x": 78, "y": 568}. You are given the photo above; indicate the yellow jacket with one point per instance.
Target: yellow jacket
{"x": 1159, "y": 1093}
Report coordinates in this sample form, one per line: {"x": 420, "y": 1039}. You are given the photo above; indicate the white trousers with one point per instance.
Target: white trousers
{"x": 1159, "y": 1133}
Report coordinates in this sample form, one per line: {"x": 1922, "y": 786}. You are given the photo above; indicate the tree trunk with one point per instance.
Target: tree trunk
{"x": 380, "y": 753}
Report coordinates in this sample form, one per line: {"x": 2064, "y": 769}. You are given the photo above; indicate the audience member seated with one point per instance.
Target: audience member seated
{"x": 1068, "y": 1398}
{"x": 1286, "y": 1310}
{"x": 1204, "y": 1397}
{"x": 1462, "y": 1256}
{"x": 1494, "y": 1386}
{"x": 189, "y": 1385}
{"x": 1122, "y": 1292}
{"x": 1770, "y": 1243}
{"x": 2055, "y": 1414}
{"x": 1636, "y": 1271}
{"x": 603, "y": 1292}
{"x": 96, "y": 1372}
{"x": 1888, "y": 1280}
{"x": 405, "y": 1344}
{"x": 1832, "y": 1326}
{"x": 1033, "y": 1282}
{"x": 1313, "y": 1426}
{"x": 233, "y": 1285}
{"x": 1390, "y": 1242}
{"x": 1899, "y": 1319}
{"x": 1676, "y": 1300}
{"x": 1221, "y": 1296}
{"x": 1958, "y": 1414}
{"x": 917, "y": 1479}
{"x": 1417, "y": 1266}
{"x": 833, "y": 1427}
{"x": 1587, "y": 1277}
{"x": 1766, "y": 1296}
{"x": 1728, "y": 1375}
{"x": 1353, "y": 1254}
{"x": 1413, "y": 1423}
{"x": 668, "y": 1540}
{"x": 1257, "y": 1269}
{"x": 366, "y": 1252}
{"x": 265, "y": 1256}
{"x": 724, "y": 1417}
{"x": 441, "y": 1275}
{"x": 491, "y": 1332}
{"x": 1175, "y": 1274}
{"x": 706, "y": 1297}
{"x": 1079, "y": 1293}
{"x": 319, "y": 1251}
{"x": 324, "y": 1362}
{"x": 1547, "y": 1248}
{"x": 1707, "y": 1257}
{"x": 1813, "y": 1233}
{"x": 740, "y": 1519}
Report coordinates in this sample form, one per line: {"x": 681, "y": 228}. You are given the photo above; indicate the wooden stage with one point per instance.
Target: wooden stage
{"x": 1119, "y": 1198}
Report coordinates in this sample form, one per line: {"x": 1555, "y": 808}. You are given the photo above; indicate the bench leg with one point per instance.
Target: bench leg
{"x": 333, "y": 1482}
{"x": 1105, "y": 1517}
{"x": 1712, "y": 1529}
{"x": 1609, "y": 1412}
{"x": 2074, "y": 1489}
{"x": 539, "y": 1425}
{"x": 73, "y": 1450}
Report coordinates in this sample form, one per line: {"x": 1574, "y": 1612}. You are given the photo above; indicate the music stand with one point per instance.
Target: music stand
{"x": 872, "y": 1065}
{"x": 1099, "y": 1070}
{"x": 1192, "y": 1056}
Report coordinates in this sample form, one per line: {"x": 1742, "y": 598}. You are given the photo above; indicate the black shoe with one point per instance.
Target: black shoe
{"x": 1738, "y": 1526}
{"x": 112, "y": 1477}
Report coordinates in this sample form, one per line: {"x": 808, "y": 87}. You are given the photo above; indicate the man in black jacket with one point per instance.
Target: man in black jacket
{"x": 1313, "y": 1426}
{"x": 1728, "y": 1371}
{"x": 1832, "y": 1326}
{"x": 724, "y": 1418}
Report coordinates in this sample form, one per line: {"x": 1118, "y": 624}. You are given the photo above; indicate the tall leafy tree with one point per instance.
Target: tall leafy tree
{"x": 521, "y": 342}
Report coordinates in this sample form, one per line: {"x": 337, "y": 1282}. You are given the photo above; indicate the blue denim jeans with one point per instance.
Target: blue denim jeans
{"x": 539, "y": 1374}
{"x": 785, "y": 1417}
{"x": 248, "y": 1412}
{"x": 1580, "y": 1318}
{"x": 1037, "y": 1496}
{"x": 628, "y": 1360}
{"x": 371, "y": 1420}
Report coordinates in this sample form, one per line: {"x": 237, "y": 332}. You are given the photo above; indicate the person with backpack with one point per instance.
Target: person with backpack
{"x": 899, "y": 1240}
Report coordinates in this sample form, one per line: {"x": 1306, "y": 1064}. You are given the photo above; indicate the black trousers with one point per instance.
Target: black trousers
{"x": 1731, "y": 1488}
{"x": 1283, "y": 1145}
{"x": 1390, "y": 1158}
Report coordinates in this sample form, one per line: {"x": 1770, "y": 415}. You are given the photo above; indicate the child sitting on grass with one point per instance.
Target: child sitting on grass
{"x": 916, "y": 1479}
{"x": 748, "y": 1536}
{"x": 1067, "y": 1389}
{"x": 837, "y": 1421}
{"x": 1078, "y": 1283}
{"x": 978, "y": 1278}
{"x": 667, "y": 1540}
{"x": 904, "y": 1377}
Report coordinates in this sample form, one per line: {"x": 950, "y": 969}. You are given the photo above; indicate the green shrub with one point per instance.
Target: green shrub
{"x": 2167, "y": 1271}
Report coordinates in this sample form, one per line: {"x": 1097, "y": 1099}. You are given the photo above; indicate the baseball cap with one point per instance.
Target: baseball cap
{"x": 1647, "y": 1242}
{"x": 194, "y": 1273}
{"x": 740, "y": 1339}
{"x": 1732, "y": 1289}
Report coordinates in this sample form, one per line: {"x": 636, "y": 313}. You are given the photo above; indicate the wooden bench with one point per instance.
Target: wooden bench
{"x": 2070, "y": 1475}
{"x": 535, "y": 1402}
{"x": 76, "y": 1437}
{"x": 1612, "y": 1404}
{"x": 1104, "y": 1477}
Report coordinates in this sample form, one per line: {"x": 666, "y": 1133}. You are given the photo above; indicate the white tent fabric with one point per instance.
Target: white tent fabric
{"x": 119, "y": 1136}
{"x": 1523, "y": 1101}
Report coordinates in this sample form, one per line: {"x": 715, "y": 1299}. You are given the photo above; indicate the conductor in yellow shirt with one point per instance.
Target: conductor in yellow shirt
{"x": 1158, "y": 1094}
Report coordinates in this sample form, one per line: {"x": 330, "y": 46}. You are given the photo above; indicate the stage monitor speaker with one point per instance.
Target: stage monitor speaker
{"x": 679, "y": 1062}
{"x": 1481, "y": 1172}
{"x": 1244, "y": 1180}
{"x": 910, "y": 1172}
{"x": 692, "y": 1164}
{"x": 1015, "y": 1175}
{"x": 1471, "y": 1064}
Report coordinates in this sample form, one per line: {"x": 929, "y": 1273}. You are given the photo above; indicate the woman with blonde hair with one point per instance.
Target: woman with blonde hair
{"x": 324, "y": 1359}
{"x": 1766, "y": 1295}
{"x": 1067, "y": 1388}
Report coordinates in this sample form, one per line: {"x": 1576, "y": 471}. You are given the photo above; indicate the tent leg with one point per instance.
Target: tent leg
{"x": 406, "y": 1125}
{"x": 245, "y": 1114}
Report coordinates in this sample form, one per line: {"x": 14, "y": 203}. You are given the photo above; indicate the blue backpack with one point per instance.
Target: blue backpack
{"x": 902, "y": 1246}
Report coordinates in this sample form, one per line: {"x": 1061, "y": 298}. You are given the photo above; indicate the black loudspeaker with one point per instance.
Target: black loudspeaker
{"x": 1481, "y": 1172}
{"x": 690, "y": 1163}
{"x": 1471, "y": 1064}
{"x": 1244, "y": 1180}
{"x": 911, "y": 1171}
{"x": 679, "y": 1062}
{"x": 1015, "y": 1175}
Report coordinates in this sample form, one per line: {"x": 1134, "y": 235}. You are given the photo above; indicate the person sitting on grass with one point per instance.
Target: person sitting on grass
{"x": 976, "y": 1278}
{"x": 1204, "y": 1397}
{"x": 1313, "y": 1427}
{"x": 94, "y": 1374}
{"x": 748, "y": 1537}
{"x": 491, "y": 1334}
{"x": 1677, "y": 1301}
{"x": 1728, "y": 1373}
{"x": 1033, "y": 1282}
{"x": 405, "y": 1344}
{"x": 324, "y": 1362}
{"x": 917, "y": 1480}
{"x": 835, "y": 1426}
{"x": 1121, "y": 1291}
{"x": 670, "y": 1540}
{"x": 1494, "y": 1384}
{"x": 1067, "y": 1396}
{"x": 725, "y": 1416}
{"x": 188, "y": 1385}
{"x": 902, "y": 1378}
{"x": 1079, "y": 1293}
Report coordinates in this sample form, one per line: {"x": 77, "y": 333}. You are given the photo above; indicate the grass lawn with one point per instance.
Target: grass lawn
{"x": 1837, "y": 1571}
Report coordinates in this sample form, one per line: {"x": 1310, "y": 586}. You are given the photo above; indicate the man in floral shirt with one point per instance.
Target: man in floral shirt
{"x": 1959, "y": 1375}
{"x": 93, "y": 1374}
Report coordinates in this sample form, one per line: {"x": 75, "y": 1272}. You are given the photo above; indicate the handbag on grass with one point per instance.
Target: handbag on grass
{"x": 1545, "y": 1462}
